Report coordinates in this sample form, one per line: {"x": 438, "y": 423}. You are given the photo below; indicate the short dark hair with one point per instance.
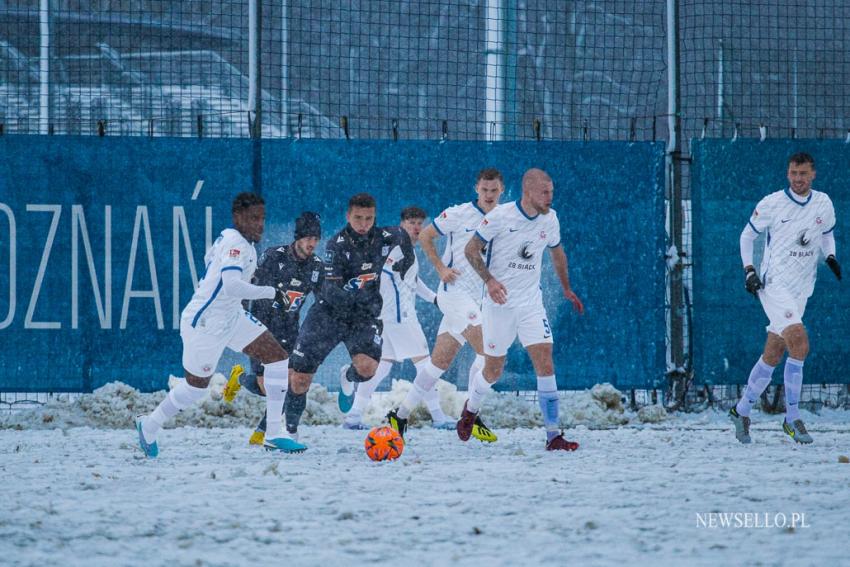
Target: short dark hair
{"x": 246, "y": 200}
{"x": 490, "y": 173}
{"x": 362, "y": 200}
{"x": 413, "y": 213}
{"x": 800, "y": 158}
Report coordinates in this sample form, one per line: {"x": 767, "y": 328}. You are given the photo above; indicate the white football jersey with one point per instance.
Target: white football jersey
{"x": 399, "y": 294}
{"x": 794, "y": 232}
{"x": 458, "y": 224}
{"x": 211, "y": 307}
{"x": 514, "y": 252}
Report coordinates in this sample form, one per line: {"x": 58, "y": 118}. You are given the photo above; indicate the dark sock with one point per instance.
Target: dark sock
{"x": 293, "y": 409}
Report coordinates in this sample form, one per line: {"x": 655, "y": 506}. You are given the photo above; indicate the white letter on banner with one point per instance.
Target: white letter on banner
{"x": 142, "y": 221}
{"x": 104, "y": 308}
{"x": 13, "y": 266}
{"x": 181, "y": 227}
{"x": 39, "y": 279}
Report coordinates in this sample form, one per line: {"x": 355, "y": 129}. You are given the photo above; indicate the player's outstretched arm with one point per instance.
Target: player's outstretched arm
{"x": 426, "y": 238}
{"x": 473, "y": 250}
{"x": 559, "y": 260}
{"x": 234, "y": 286}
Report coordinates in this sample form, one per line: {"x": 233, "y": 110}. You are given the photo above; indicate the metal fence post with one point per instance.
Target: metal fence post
{"x": 255, "y": 91}
{"x": 675, "y": 374}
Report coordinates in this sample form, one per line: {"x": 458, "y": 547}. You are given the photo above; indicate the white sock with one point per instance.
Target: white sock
{"x": 426, "y": 376}
{"x": 432, "y": 401}
{"x": 276, "y": 382}
{"x": 365, "y": 391}
{"x": 793, "y": 386}
{"x": 760, "y": 377}
{"x": 474, "y": 368}
{"x": 182, "y": 396}
{"x": 479, "y": 390}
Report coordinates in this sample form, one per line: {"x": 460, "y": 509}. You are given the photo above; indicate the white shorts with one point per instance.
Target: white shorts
{"x": 459, "y": 312}
{"x": 782, "y": 308}
{"x": 403, "y": 341}
{"x": 203, "y": 347}
{"x": 503, "y": 324}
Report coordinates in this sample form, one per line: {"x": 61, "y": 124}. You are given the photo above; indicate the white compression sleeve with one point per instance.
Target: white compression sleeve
{"x": 828, "y": 245}
{"x": 748, "y": 237}
{"x": 233, "y": 286}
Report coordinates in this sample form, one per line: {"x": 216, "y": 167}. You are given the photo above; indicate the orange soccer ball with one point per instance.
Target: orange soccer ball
{"x": 384, "y": 444}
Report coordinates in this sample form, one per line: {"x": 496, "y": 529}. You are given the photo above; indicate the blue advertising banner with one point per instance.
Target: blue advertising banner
{"x": 102, "y": 240}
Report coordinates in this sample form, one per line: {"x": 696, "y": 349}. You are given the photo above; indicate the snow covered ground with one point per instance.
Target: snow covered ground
{"x": 634, "y": 493}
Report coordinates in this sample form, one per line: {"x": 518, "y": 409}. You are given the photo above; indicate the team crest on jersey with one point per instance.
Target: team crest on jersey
{"x": 234, "y": 253}
{"x": 385, "y": 251}
{"x": 444, "y": 215}
{"x": 818, "y": 220}
{"x": 542, "y": 235}
{"x": 315, "y": 276}
{"x": 329, "y": 256}
{"x": 296, "y": 298}
{"x": 524, "y": 251}
{"x": 788, "y": 314}
{"x": 359, "y": 281}
{"x": 485, "y": 222}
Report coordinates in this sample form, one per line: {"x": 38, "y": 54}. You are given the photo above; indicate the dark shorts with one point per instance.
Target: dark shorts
{"x": 322, "y": 330}
{"x": 286, "y": 336}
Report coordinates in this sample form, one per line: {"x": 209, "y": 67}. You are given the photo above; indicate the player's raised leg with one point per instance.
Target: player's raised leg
{"x": 275, "y": 362}
{"x": 363, "y": 396}
{"x": 760, "y": 377}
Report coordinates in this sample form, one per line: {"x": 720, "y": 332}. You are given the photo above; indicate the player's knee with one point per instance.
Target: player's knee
{"x": 272, "y": 353}
{"x": 197, "y": 381}
{"x": 797, "y": 341}
{"x": 362, "y": 371}
{"x": 299, "y": 383}
{"x": 492, "y": 372}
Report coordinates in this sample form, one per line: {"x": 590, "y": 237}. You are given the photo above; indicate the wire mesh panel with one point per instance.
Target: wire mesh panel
{"x": 137, "y": 67}
{"x": 781, "y": 65}
{"x": 476, "y": 70}
{"x": 472, "y": 70}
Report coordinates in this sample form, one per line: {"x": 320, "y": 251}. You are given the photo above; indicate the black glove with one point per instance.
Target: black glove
{"x": 834, "y": 266}
{"x": 752, "y": 282}
{"x": 281, "y": 298}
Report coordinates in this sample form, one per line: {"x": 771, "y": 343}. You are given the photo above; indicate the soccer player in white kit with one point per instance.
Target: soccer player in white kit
{"x": 516, "y": 235}
{"x": 458, "y": 296}
{"x": 402, "y": 333}
{"x": 214, "y": 320}
{"x": 799, "y": 224}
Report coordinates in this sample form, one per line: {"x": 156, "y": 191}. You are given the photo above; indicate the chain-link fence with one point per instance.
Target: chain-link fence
{"x": 474, "y": 70}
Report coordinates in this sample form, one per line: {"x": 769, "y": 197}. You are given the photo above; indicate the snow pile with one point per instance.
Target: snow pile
{"x": 652, "y": 414}
{"x": 116, "y": 404}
